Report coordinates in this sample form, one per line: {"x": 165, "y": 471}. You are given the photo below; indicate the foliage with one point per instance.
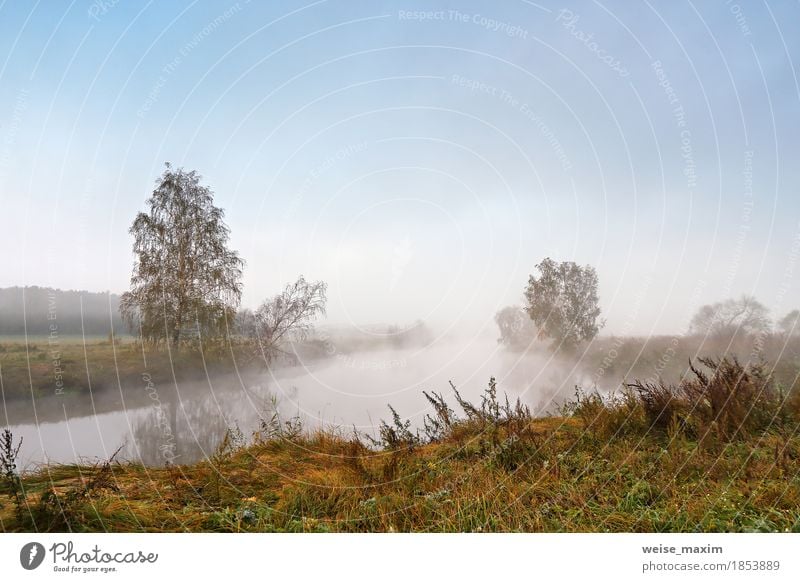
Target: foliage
{"x": 738, "y": 399}
{"x": 731, "y": 401}
{"x": 726, "y": 318}
{"x": 562, "y": 301}
{"x": 8, "y": 465}
{"x": 272, "y": 426}
{"x": 286, "y": 317}
{"x": 30, "y": 311}
{"x": 396, "y": 435}
{"x": 438, "y": 425}
{"x": 790, "y": 323}
{"x": 185, "y": 281}
{"x": 517, "y": 330}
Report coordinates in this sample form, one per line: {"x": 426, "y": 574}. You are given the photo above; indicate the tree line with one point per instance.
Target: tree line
{"x": 561, "y": 305}
{"x": 43, "y": 311}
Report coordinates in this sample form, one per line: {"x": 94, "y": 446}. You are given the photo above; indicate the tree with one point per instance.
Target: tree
{"x": 563, "y": 302}
{"x": 726, "y": 318}
{"x": 245, "y": 323}
{"x": 416, "y": 333}
{"x": 790, "y": 323}
{"x": 517, "y": 330}
{"x": 287, "y": 316}
{"x": 185, "y": 281}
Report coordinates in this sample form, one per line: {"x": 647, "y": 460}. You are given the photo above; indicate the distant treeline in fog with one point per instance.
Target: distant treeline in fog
{"x": 41, "y": 310}
{"x": 45, "y": 307}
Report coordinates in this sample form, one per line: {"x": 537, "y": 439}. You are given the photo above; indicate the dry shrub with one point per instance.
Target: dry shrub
{"x": 731, "y": 400}
{"x": 662, "y": 405}
{"x": 740, "y": 399}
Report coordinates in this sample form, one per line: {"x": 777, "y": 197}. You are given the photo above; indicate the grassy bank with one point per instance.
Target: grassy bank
{"x": 40, "y": 369}
{"x": 718, "y": 452}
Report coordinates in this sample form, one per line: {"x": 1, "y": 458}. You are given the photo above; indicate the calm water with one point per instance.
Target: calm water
{"x": 187, "y": 422}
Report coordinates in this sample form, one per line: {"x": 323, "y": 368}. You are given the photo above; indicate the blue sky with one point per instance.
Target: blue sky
{"x": 421, "y": 157}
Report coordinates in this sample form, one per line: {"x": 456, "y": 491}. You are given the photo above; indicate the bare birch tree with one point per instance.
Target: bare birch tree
{"x": 725, "y": 318}
{"x": 286, "y": 317}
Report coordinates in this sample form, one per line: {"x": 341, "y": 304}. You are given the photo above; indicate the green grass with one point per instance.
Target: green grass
{"x": 41, "y": 369}
{"x": 605, "y": 464}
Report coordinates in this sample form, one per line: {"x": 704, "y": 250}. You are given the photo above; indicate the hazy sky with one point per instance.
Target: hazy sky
{"x": 421, "y": 163}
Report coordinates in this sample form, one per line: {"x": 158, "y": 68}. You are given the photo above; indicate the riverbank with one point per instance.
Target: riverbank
{"x": 40, "y": 370}
{"x": 616, "y": 465}
{"x": 324, "y": 483}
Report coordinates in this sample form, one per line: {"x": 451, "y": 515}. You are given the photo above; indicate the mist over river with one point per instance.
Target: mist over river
{"x": 188, "y": 421}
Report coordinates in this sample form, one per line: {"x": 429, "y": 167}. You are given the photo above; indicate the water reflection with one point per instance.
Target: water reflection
{"x": 183, "y": 430}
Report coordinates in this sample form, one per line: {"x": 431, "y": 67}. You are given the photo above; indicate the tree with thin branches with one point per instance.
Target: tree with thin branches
{"x": 790, "y": 323}
{"x": 286, "y": 317}
{"x": 727, "y": 318}
{"x": 186, "y": 282}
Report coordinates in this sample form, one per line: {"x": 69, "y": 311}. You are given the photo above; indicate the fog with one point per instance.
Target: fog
{"x": 421, "y": 170}
{"x": 341, "y": 377}
{"x": 187, "y": 421}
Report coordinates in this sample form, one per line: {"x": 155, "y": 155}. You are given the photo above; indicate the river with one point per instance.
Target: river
{"x": 187, "y": 422}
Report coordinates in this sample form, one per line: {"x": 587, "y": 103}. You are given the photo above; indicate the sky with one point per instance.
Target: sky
{"x": 420, "y": 157}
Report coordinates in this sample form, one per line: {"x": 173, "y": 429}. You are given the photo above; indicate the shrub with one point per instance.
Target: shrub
{"x": 438, "y": 426}
{"x": 397, "y": 435}
{"x": 272, "y": 426}
{"x": 661, "y": 404}
{"x": 733, "y": 400}
{"x": 8, "y": 463}
{"x": 739, "y": 399}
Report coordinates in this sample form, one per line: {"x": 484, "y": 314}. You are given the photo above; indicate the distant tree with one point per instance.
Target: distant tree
{"x": 245, "y": 323}
{"x": 726, "y": 318}
{"x": 562, "y": 301}
{"x": 417, "y": 333}
{"x": 517, "y": 330}
{"x": 790, "y": 323}
{"x": 44, "y": 311}
{"x": 185, "y": 281}
{"x": 288, "y": 316}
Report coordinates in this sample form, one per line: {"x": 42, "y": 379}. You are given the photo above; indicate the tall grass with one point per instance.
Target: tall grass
{"x": 8, "y": 464}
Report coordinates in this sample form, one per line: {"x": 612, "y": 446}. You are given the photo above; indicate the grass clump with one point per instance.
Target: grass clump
{"x": 69, "y": 509}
